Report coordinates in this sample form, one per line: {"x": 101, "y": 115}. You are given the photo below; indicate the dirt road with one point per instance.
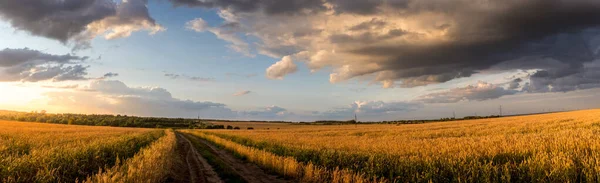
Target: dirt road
{"x": 199, "y": 170}
{"x": 247, "y": 171}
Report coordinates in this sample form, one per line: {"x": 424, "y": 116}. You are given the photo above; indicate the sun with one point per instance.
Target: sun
{"x": 21, "y": 96}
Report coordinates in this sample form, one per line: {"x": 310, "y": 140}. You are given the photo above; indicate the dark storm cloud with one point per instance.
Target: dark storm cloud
{"x": 248, "y": 6}
{"x": 296, "y": 6}
{"x": 420, "y": 42}
{"x": 565, "y": 79}
{"x": 78, "y": 21}
{"x": 359, "y": 7}
{"x": 441, "y": 60}
{"x": 59, "y": 20}
{"x": 33, "y": 65}
{"x": 514, "y": 29}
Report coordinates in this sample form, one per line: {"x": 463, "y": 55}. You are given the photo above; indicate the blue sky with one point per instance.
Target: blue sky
{"x": 331, "y": 72}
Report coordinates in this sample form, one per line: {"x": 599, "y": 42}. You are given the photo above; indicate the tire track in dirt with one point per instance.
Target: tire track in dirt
{"x": 248, "y": 171}
{"x": 198, "y": 168}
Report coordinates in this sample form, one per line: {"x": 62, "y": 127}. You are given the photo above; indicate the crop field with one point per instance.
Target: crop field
{"x": 37, "y": 152}
{"x": 256, "y": 125}
{"x": 557, "y": 147}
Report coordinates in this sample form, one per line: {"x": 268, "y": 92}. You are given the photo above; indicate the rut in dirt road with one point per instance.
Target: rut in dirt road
{"x": 249, "y": 172}
{"x": 199, "y": 170}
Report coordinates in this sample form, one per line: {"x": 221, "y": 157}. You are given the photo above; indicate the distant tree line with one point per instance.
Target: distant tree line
{"x": 159, "y": 122}
{"x": 110, "y": 120}
{"x": 100, "y": 120}
{"x": 350, "y": 122}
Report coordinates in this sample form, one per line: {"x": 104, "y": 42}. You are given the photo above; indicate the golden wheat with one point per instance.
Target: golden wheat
{"x": 559, "y": 147}
{"x": 288, "y": 166}
{"x": 37, "y": 152}
{"x": 151, "y": 165}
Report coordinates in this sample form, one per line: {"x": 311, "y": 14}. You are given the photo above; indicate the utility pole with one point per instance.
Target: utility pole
{"x": 355, "y": 121}
{"x": 500, "y": 110}
{"x": 199, "y": 121}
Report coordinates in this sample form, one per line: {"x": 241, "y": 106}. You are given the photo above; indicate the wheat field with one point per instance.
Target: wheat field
{"x": 37, "y": 152}
{"x": 558, "y": 147}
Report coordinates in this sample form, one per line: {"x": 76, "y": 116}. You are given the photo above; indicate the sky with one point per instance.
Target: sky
{"x": 300, "y": 60}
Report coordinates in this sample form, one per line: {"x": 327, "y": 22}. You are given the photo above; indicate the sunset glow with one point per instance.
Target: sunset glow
{"x": 302, "y": 61}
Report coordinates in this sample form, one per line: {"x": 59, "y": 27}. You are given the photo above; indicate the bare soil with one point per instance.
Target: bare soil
{"x": 198, "y": 170}
{"x": 249, "y": 172}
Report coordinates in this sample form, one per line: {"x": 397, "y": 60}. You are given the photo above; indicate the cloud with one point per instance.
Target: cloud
{"x": 109, "y": 75}
{"x": 79, "y": 21}
{"x": 369, "y": 25}
{"x": 411, "y": 43}
{"x": 271, "y": 112}
{"x": 358, "y": 90}
{"x": 116, "y": 97}
{"x": 479, "y": 92}
{"x": 564, "y": 78}
{"x": 195, "y": 78}
{"x": 191, "y": 78}
{"x": 226, "y": 32}
{"x": 62, "y": 87}
{"x": 32, "y": 66}
{"x": 264, "y": 6}
{"x": 369, "y": 109}
{"x": 515, "y": 83}
{"x": 282, "y": 68}
{"x": 240, "y": 93}
{"x": 172, "y": 76}
{"x": 242, "y": 75}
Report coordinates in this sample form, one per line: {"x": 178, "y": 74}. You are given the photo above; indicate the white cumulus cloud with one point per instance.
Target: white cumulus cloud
{"x": 282, "y": 68}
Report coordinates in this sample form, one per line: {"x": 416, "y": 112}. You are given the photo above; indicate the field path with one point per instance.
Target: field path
{"x": 249, "y": 172}
{"x": 199, "y": 170}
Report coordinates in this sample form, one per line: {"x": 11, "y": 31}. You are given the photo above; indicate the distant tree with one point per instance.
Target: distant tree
{"x": 250, "y": 128}
{"x": 229, "y": 127}
{"x": 236, "y": 128}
